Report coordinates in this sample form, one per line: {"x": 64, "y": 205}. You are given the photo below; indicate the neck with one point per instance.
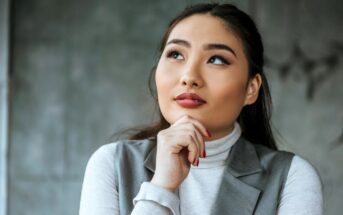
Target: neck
{"x": 218, "y": 150}
{"x": 217, "y": 134}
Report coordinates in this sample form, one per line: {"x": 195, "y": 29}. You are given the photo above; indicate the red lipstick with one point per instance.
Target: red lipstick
{"x": 189, "y": 100}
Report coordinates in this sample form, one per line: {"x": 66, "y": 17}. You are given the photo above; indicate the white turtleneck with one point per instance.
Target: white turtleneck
{"x": 200, "y": 187}
{"x": 302, "y": 193}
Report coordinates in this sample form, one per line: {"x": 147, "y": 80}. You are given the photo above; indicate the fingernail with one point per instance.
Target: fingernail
{"x": 208, "y": 133}
{"x": 194, "y": 162}
{"x": 204, "y": 153}
{"x": 198, "y": 162}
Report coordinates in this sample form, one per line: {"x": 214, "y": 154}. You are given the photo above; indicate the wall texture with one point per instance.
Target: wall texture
{"x": 80, "y": 70}
{"x": 304, "y": 49}
{"x": 4, "y": 97}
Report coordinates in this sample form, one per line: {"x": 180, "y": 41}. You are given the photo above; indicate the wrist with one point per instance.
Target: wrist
{"x": 156, "y": 182}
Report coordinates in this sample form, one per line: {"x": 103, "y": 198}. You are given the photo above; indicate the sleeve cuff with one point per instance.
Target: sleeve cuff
{"x": 164, "y": 197}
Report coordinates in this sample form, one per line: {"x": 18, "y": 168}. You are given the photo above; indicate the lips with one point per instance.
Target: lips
{"x": 189, "y": 100}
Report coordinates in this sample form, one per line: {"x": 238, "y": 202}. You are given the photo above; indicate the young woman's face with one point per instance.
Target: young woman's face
{"x": 204, "y": 57}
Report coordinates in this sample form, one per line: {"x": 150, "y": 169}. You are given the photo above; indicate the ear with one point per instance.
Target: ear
{"x": 253, "y": 88}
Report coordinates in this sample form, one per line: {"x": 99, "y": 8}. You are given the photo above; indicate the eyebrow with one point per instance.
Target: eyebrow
{"x": 210, "y": 46}
{"x": 179, "y": 42}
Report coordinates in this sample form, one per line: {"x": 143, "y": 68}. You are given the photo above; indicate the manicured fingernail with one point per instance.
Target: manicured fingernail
{"x": 208, "y": 133}
{"x": 194, "y": 162}
{"x": 204, "y": 153}
{"x": 198, "y": 162}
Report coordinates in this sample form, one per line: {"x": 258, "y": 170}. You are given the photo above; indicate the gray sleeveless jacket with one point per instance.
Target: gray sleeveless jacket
{"x": 252, "y": 182}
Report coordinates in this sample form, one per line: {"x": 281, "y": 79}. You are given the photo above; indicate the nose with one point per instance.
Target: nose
{"x": 191, "y": 76}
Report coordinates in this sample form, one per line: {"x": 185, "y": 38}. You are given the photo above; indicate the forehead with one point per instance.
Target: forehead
{"x": 205, "y": 28}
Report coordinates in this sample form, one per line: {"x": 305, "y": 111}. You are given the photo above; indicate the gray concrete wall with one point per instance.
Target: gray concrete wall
{"x": 304, "y": 48}
{"x": 80, "y": 72}
{"x": 4, "y": 44}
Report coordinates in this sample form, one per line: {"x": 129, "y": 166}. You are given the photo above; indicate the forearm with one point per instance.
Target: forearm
{"x": 153, "y": 199}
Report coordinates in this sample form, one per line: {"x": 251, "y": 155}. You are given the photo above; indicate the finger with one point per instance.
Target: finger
{"x": 175, "y": 149}
{"x": 193, "y": 154}
{"x": 200, "y": 141}
{"x": 188, "y": 141}
{"x": 180, "y": 119}
{"x": 196, "y": 127}
{"x": 199, "y": 125}
{"x": 185, "y": 135}
{"x": 191, "y": 129}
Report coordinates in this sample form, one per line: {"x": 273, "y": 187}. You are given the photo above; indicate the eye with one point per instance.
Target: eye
{"x": 175, "y": 55}
{"x": 218, "y": 60}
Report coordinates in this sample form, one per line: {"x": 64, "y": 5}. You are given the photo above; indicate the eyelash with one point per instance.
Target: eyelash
{"x": 171, "y": 53}
{"x": 220, "y": 58}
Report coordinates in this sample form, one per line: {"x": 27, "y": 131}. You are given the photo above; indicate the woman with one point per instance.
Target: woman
{"x": 213, "y": 151}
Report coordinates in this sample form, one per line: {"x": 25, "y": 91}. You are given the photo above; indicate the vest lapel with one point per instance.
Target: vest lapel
{"x": 235, "y": 196}
{"x": 150, "y": 160}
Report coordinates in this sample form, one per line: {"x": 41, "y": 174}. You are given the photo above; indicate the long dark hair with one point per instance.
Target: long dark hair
{"x": 254, "y": 119}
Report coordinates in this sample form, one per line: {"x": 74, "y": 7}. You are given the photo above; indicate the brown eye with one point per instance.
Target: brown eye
{"x": 175, "y": 55}
{"x": 218, "y": 60}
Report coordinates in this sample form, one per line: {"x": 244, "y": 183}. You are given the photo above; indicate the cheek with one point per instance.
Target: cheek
{"x": 228, "y": 86}
{"x": 229, "y": 100}
{"x": 164, "y": 94}
{"x": 232, "y": 93}
{"x": 166, "y": 78}
{"x": 163, "y": 82}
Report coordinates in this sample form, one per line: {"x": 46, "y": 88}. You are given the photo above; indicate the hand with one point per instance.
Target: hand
{"x": 178, "y": 147}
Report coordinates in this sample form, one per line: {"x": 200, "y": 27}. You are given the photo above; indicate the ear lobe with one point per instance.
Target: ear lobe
{"x": 253, "y": 89}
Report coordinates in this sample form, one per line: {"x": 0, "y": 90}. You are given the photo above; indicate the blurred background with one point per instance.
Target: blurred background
{"x": 73, "y": 72}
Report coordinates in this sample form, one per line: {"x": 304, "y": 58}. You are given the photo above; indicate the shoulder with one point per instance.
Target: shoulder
{"x": 302, "y": 190}
{"x": 102, "y": 159}
{"x": 297, "y": 165}
{"x": 271, "y": 157}
{"x": 109, "y": 152}
{"x": 109, "y": 157}
{"x": 134, "y": 145}
{"x": 303, "y": 172}
{"x": 300, "y": 172}
{"x": 133, "y": 149}
{"x": 272, "y": 152}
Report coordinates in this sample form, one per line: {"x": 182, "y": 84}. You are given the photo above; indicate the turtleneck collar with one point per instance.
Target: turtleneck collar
{"x": 218, "y": 150}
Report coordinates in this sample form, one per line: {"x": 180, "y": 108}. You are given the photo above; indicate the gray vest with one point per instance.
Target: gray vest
{"x": 252, "y": 182}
